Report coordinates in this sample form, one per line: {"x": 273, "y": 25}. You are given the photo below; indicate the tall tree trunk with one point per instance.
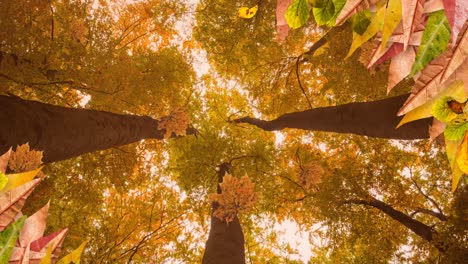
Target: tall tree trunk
{"x": 422, "y": 230}
{"x": 225, "y": 242}
{"x": 63, "y": 133}
{"x": 373, "y": 119}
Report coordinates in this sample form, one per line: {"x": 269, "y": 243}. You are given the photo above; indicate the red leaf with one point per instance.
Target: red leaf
{"x": 55, "y": 239}
{"x": 380, "y": 57}
{"x": 457, "y": 15}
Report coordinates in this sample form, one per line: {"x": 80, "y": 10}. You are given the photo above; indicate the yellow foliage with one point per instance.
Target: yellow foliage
{"x": 236, "y": 195}
{"x": 311, "y": 174}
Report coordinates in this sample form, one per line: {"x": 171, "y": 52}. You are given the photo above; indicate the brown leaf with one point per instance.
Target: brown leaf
{"x": 23, "y": 159}
{"x": 12, "y": 201}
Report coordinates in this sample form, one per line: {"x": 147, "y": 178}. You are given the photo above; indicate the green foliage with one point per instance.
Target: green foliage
{"x": 323, "y": 12}
{"x": 441, "y": 109}
{"x": 8, "y": 238}
{"x": 297, "y": 13}
{"x": 435, "y": 39}
{"x": 456, "y": 128}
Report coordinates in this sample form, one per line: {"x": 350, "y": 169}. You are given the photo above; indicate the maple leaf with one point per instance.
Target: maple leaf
{"x": 23, "y": 159}
{"x": 311, "y": 174}
{"x": 176, "y": 122}
{"x": 236, "y": 195}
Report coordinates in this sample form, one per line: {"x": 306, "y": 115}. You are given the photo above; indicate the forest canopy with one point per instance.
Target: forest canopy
{"x": 243, "y": 131}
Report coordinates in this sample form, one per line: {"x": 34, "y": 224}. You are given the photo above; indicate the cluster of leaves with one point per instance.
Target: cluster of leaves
{"x": 425, "y": 40}
{"x": 236, "y": 195}
{"x": 176, "y": 122}
{"x": 22, "y": 238}
{"x": 311, "y": 174}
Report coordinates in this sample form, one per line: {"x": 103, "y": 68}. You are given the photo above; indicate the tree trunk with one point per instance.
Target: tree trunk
{"x": 422, "y": 230}
{"x": 63, "y": 133}
{"x": 225, "y": 242}
{"x": 373, "y": 119}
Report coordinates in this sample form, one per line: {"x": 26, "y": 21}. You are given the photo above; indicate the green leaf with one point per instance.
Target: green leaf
{"x": 456, "y": 129}
{"x": 339, "y": 4}
{"x": 441, "y": 110}
{"x": 8, "y": 239}
{"x": 297, "y": 14}
{"x": 374, "y": 27}
{"x": 435, "y": 39}
{"x": 3, "y": 180}
{"x": 455, "y": 90}
{"x": 361, "y": 21}
{"x": 323, "y": 14}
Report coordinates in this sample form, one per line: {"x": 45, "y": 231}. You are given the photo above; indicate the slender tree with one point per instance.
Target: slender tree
{"x": 63, "y": 133}
{"x": 373, "y": 119}
{"x": 225, "y": 242}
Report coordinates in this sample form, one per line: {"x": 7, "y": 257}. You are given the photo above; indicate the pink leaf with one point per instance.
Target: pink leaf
{"x": 412, "y": 11}
{"x": 282, "y": 27}
{"x": 388, "y": 53}
{"x": 400, "y": 67}
{"x": 433, "y": 5}
{"x": 12, "y": 201}
{"x": 351, "y": 7}
{"x": 4, "y": 161}
{"x": 34, "y": 226}
{"x": 457, "y": 15}
{"x": 436, "y": 129}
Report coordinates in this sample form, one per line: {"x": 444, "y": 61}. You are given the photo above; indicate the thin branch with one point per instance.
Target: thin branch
{"x": 424, "y": 194}
{"x": 300, "y": 83}
{"x": 440, "y": 216}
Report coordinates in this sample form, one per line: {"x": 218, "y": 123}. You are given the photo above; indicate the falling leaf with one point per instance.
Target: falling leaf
{"x": 74, "y": 256}
{"x": 456, "y": 91}
{"x": 351, "y": 7}
{"x": 8, "y": 239}
{"x": 412, "y": 11}
{"x": 34, "y": 226}
{"x": 3, "y": 180}
{"x": 246, "y": 12}
{"x": 297, "y": 14}
{"x": 392, "y": 18}
{"x": 435, "y": 40}
{"x": 282, "y": 27}
{"x": 23, "y": 159}
{"x": 18, "y": 179}
{"x": 12, "y": 201}
{"x": 457, "y": 15}
{"x": 372, "y": 29}
{"x": 361, "y": 21}
{"x": 4, "y": 161}
{"x": 324, "y": 13}
{"x": 456, "y": 129}
{"x": 400, "y": 67}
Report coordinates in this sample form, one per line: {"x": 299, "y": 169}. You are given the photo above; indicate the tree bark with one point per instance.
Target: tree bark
{"x": 422, "y": 230}
{"x": 225, "y": 242}
{"x": 374, "y": 119}
{"x": 63, "y": 133}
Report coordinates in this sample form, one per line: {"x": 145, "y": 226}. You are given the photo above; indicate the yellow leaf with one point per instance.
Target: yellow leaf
{"x": 47, "y": 259}
{"x": 246, "y": 12}
{"x": 392, "y": 18}
{"x": 461, "y": 162}
{"x": 456, "y": 90}
{"x": 16, "y": 180}
{"x": 374, "y": 27}
{"x": 74, "y": 256}
{"x": 456, "y": 176}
